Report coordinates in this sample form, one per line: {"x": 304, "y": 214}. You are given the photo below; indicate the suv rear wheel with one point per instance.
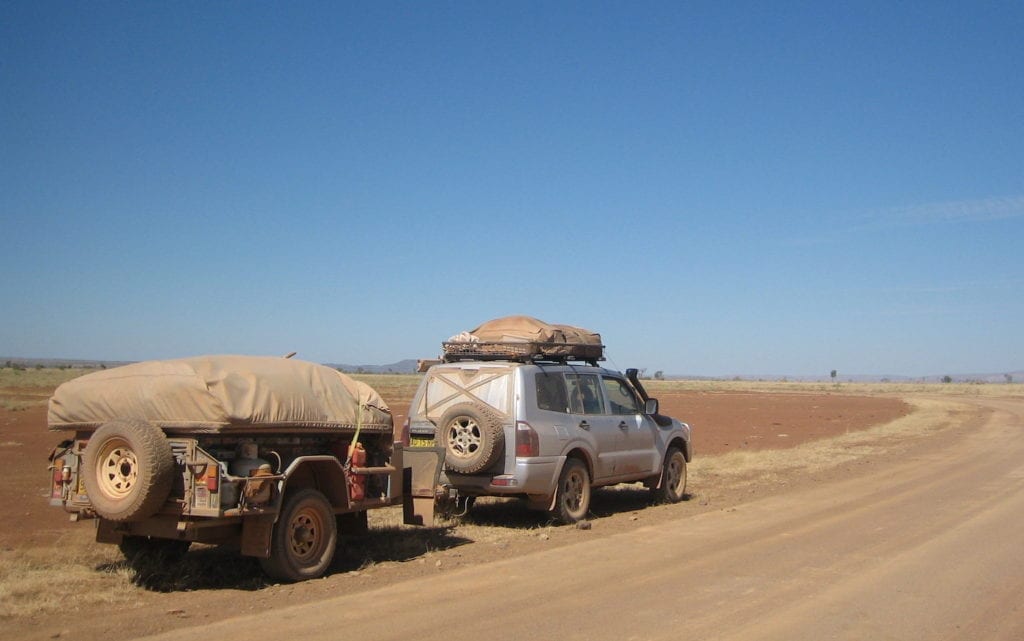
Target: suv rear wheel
{"x": 572, "y": 501}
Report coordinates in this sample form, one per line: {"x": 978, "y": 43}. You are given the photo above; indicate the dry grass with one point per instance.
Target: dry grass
{"x": 45, "y": 379}
{"x": 47, "y": 580}
{"x": 17, "y": 404}
{"x": 21, "y": 389}
{"x": 391, "y": 385}
{"x": 1013, "y": 390}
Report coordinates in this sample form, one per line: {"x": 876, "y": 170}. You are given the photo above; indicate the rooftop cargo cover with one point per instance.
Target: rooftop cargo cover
{"x": 536, "y": 337}
{"x": 215, "y": 394}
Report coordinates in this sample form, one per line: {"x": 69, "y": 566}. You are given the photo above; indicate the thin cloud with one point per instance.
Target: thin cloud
{"x": 927, "y": 214}
{"x": 954, "y": 288}
{"x": 959, "y": 211}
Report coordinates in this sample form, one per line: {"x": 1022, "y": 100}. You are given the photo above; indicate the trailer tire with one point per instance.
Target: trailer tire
{"x": 473, "y": 438}
{"x": 128, "y": 470}
{"x": 305, "y": 538}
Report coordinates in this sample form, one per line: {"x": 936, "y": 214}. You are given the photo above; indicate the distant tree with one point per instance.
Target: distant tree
{"x": 1008, "y": 377}
{"x": 659, "y": 375}
{"x": 833, "y": 376}
{"x": 947, "y": 379}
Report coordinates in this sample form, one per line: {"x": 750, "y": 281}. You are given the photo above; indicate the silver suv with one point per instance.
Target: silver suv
{"x": 547, "y": 432}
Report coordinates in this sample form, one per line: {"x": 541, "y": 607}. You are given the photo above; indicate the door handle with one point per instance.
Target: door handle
{"x": 623, "y": 425}
{"x": 584, "y": 425}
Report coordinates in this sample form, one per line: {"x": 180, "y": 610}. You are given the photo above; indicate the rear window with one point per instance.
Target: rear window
{"x": 584, "y": 394}
{"x": 449, "y": 386}
{"x": 551, "y": 394}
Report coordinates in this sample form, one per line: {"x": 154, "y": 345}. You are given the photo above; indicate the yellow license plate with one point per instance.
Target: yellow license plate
{"x": 419, "y": 441}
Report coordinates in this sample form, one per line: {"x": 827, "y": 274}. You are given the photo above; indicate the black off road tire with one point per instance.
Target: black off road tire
{"x": 305, "y": 538}
{"x": 128, "y": 470}
{"x": 673, "y": 478}
{"x": 572, "y": 498}
{"x": 472, "y": 436}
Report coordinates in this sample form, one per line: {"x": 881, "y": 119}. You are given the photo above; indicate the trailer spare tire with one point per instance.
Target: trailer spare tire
{"x": 472, "y": 436}
{"x": 128, "y": 470}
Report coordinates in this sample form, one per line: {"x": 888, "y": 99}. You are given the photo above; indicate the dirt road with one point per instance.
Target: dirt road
{"x": 927, "y": 547}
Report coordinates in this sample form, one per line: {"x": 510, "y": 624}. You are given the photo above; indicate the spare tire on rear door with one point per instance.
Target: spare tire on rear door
{"x": 472, "y": 436}
{"x": 128, "y": 470}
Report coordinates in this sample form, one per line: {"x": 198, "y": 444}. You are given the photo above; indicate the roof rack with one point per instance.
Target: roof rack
{"x": 522, "y": 352}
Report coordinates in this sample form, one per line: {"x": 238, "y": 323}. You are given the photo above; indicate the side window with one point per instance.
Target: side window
{"x": 584, "y": 394}
{"x": 551, "y": 392}
{"x": 621, "y": 397}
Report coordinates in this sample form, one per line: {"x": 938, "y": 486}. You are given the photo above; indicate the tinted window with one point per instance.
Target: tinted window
{"x": 551, "y": 394}
{"x": 584, "y": 394}
{"x": 621, "y": 397}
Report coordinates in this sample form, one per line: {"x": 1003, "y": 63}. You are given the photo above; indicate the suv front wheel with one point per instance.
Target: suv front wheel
{"x": 673, "y": 478}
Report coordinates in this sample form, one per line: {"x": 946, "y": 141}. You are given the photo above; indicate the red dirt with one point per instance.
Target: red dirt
{"x": 727, "y": 421}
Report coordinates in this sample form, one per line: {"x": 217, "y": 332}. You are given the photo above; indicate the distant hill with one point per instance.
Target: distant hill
{"x": 59, "y": 362}
{"x": 408, "y": 366}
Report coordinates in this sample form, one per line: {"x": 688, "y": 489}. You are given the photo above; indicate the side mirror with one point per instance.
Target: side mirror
{"x": 651, "y": 407}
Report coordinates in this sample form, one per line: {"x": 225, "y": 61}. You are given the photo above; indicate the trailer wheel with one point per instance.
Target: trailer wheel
{"x": 472, "y": 437}
{"x": 304, "y": 540}
{"x": 128, "y": 470}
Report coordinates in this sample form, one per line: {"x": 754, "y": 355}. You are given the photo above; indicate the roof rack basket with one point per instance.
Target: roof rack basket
{"x": 523, "y": 352}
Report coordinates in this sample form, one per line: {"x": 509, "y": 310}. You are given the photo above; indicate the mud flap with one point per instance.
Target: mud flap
{"x": 421, "y": 467}
{"x": 106, "y": 532}
{"x": 256, "y": 534}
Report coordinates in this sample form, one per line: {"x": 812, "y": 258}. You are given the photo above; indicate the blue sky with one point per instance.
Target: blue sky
{"x": 718, "y": 188}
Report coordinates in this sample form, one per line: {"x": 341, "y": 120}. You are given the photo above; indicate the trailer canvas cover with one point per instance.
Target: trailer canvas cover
{"x": 220, "y": 394}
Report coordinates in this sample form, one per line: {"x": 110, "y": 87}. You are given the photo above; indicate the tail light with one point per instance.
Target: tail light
{"x": 211, "y": 478}
{"x": 527, "y": 441}
{"x": 56, "y": 491}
